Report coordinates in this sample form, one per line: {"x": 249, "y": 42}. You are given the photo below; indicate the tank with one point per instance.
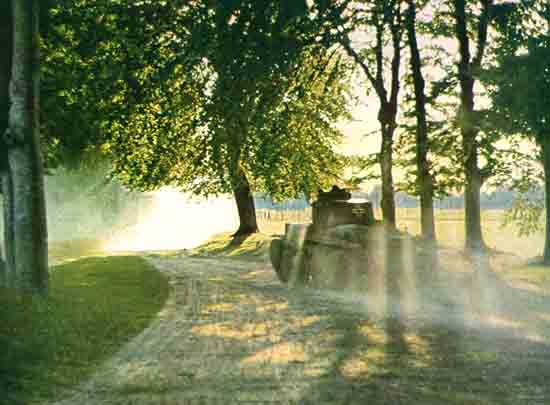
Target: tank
{"x": 336, "y": 250}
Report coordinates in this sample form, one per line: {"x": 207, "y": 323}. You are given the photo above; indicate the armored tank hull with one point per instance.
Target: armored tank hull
{"x": 338, "y": 249}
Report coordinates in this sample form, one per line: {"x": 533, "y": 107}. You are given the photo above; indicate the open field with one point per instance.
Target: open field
{"x": 449, "y": 228}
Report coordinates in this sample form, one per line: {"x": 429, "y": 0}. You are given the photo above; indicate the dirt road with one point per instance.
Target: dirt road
{"x": 232, "y": 334}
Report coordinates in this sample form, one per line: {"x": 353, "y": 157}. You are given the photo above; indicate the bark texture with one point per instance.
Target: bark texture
{"x": 245, "y": 205}
{"x": 424, "y": 179}
{"x": 387, "y": 115}
{"x": 545, "y": 146}
{"x": 386, "y": 166}
{"x": 5, "y": 73}
{"x": 9, "y": 224}
{"x": 467, "y": 68}
{"x": 24, "y": 156}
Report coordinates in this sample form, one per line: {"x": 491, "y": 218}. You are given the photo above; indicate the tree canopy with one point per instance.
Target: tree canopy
{"x": 520, "y": 96}
{"x": 220, "y": 82}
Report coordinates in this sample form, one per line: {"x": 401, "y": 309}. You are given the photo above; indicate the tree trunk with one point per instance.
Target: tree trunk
{"x": 472, "y": 188}
{"x": 9, "y": 223}
{"x": 245, "y": 205}
{"x": 387, "y": 114}
{"x": 387, "y": 202}
{"x": 545, "y": 146}
{"x": 5, "y": 73}
{"x": 424, "y": 178}
{"x": 468, "y": 126}
{"x": 472, "y": 194}
{"x": 24, "y": 156}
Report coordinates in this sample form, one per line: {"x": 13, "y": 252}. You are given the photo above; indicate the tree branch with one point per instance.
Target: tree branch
{"x": 462, "y": 34}
{"x": 396, "y": 31}
{"x": 379, "y": 53}
{"x": 482, "y": 27}
{"x": 355, "y": 56}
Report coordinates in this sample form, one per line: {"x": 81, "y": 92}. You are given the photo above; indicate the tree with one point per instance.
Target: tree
{"x": 520, "y": 89}
{"x": 232, "y": 98}
{"x": 24, "y": 162}
{"x": 385, "y": 17}
{"x": 425, "y": 182}
{"x": 242, "y": 35}
{"x": 468, "y": 118}
{"x": 100, "y": 60}
{"x": 5, "y": 180}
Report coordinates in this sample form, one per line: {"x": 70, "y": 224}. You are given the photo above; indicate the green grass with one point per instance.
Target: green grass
{"x": 253, "y": 248}
{"x": 95, "y": 305}
{"x": 533, "y": 273}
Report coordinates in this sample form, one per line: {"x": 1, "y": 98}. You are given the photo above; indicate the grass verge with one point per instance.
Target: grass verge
{"x": 533, "y": 273}
{"x": 95, "y": 305}
{"x": 254, "y": 248}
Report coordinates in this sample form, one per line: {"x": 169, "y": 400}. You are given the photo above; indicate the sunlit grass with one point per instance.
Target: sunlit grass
{"x": 95, "y": 305}
{"x": 534, "y": 274}
{"x": 253, "y": 248}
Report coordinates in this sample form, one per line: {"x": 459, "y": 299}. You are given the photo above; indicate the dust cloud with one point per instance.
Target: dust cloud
{"x": 86, "y": 205}
{"x": 175, "y": 221}
{"x": 390, "y": 275}
{"x": 420, "y": 286}
{"x": 412, "y": 282}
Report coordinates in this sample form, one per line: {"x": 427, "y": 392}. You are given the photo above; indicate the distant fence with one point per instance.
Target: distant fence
{"x": 267, "y": 215}
{"x": 292, "y": 216}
